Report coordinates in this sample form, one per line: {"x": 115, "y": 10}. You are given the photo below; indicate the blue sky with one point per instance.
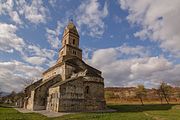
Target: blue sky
{"x": 131, "y": 41}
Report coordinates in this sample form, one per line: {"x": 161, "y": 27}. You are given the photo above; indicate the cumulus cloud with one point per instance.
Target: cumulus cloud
{"x": 33, "y": 54}
{"x": 53, "y": 35}
{"x": 124, "y": 52}
{"x": 6, "y": 7}
{"x": 14, "y": 73}
{"x": 33, "y": 11}
{"x": 37, "y": 56}
{"x": 35, "y": 60}
{"x": 150, "y": 71}
{"x": 15, "y": 17}
{"x": 9, "y": 41}
{"x": 159, "y": 20}
{"x": 37, "y": 51}
{"x": 90, "y": 15}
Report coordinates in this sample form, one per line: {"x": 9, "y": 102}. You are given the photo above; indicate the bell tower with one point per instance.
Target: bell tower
{"x": 70, "y": 43}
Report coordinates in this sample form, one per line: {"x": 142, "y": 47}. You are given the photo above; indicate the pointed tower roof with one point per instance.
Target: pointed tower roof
{"x": 71, "y": 28}
{"x": 71, "y": 25}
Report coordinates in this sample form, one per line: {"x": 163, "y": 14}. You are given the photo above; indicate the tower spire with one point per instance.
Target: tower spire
{"x": 70, "y": 43}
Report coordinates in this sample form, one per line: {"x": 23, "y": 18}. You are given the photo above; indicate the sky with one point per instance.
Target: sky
{"x": 131, "y": 41}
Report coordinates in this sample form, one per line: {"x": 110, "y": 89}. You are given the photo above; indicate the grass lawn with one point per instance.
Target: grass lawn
{"x": 124, "y": 112}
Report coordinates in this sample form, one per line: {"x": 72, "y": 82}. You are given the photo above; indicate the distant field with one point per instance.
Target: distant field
{"x": 124, "y": 112}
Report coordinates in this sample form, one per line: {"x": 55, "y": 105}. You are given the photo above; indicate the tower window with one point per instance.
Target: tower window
{"x": 73, "y": 41}
{"x": 87, "y": 89}
{"x": 74, "y": 52}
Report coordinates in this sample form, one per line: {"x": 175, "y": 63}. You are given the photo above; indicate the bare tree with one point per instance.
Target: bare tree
{"x": 27, "y": 82}
{"x": 0, "y": 92}
{"x": 165, "y": 91}
{"x": 141, "y": 93}
{"x": 160, "y": 95}
{"x": 0, "y": 95}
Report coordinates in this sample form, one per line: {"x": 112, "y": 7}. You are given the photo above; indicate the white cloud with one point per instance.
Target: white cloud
{"x": 150, "y": 71}
{"x": 6, "y": 7}
{"x": 53, "y": 35}
{"x": 91, "y": 16}
{"x": 9, "y": 41}
{"x": 33, "y": 54}
{"x": 122, "y": 52}
{"x": 53, "y": 39}
{"x": 14, "y": 73}
{"x": 36, "y": 12}
{"x": 37, "y": 51}
{"x": 15, "y": 17}
{"x": 35, "y": 60}
{"x": 137, "y": 51}
{"x": 33, "y": 11}
{"x": 159, "y": 20}
{"x": 38, "y": 56}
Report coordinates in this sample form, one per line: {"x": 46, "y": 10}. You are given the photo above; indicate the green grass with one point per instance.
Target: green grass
{"x": 124, "y": 112}
{"x": 8, "y": 113}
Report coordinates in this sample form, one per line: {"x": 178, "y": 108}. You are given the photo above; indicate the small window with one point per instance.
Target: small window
{"x": 73, "y": 41}
{"x": 87, "y": 89}
{"x": 74, "y": 52}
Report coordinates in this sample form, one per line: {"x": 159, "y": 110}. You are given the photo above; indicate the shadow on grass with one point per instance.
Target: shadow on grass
{"x": 5, "y": 106}
{"x": 140, "y": 108}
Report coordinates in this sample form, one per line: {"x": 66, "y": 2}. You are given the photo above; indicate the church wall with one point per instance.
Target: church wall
{"x": 31, "y": 87}
{"x": 72, "y": 96}
{"x": 94, "y": 96}
{"x": 53, "y": 99}
{"x": 41, "y": 93}
{"x": 55, "y": 71}
{"x": 70, "y": 51}
{"x": 65, "y": 38}
{"x": 30, "y": 101}
{"x": 68, "y": 71}
{"x": 74, "y": 40}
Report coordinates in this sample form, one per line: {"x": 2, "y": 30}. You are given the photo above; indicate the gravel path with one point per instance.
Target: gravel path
{"x": 57, "y": 114}
{"x": 43, "y": 112}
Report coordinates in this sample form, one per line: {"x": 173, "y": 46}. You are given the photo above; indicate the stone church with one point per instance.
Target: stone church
{"x": 69, "y": 85}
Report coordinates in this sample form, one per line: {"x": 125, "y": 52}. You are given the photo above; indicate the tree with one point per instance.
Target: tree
{"x": 160, "y": 95}
{"x": 0, "y": 95}
{"x": 165, "y": 91}
{"x": 0, "y": 92}
{"x": 12, "y": 96}
{"x": 27, "y": 82}
{"x": 141, "y": 93}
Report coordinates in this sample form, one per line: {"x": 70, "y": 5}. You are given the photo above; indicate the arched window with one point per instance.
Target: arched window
{"x": 74, "y": 52}
{"x": 87, "y": 90}
{"x": 73, "y": 41}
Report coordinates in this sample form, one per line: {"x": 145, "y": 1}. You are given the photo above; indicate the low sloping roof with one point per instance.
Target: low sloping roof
{"x": 56, "y": 65}
{"x": 65, "y": 81}
{"x": 34, "y": 85}
{"x": 58, "y": 76}
{"x": 81, "y": 65}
